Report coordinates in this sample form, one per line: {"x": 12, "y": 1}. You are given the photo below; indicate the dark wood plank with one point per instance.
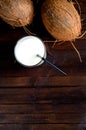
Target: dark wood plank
{"x": 55, "y": 95}
{"x": 41, "y": 108}
{"x": 63, "y": 56}
{"x": 41, "y": 127}
{"x": 43, "y": 118}
{"x": 43, "y": 81}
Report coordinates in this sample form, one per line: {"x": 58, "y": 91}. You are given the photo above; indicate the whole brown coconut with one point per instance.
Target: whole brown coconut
{"x": 61, "y": 19}
{"x": 17, "y": 12}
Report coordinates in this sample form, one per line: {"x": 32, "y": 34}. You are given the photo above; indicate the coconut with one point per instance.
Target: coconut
{"x": 61, "y": 19}
{"x": 17, "y": 13}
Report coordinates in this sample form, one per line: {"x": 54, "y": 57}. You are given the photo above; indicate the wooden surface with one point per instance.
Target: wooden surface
{"x": 41, "y": 98}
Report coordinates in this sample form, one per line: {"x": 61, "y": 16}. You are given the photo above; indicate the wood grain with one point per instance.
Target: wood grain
{"x": 42, "y": 108}
{"x": 43, "y": 81}
{"x": 40, "y": 127}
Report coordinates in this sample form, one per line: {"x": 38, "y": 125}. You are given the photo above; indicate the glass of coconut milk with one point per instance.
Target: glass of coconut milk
{"x": 30, "y": 51}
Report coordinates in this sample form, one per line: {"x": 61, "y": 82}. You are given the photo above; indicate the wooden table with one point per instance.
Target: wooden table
{"x": 41, "y": 98}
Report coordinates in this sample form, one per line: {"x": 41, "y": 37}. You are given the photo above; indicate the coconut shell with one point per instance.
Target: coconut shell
{"x": 17, "y": 12}
{"x": 61, "y": 19}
